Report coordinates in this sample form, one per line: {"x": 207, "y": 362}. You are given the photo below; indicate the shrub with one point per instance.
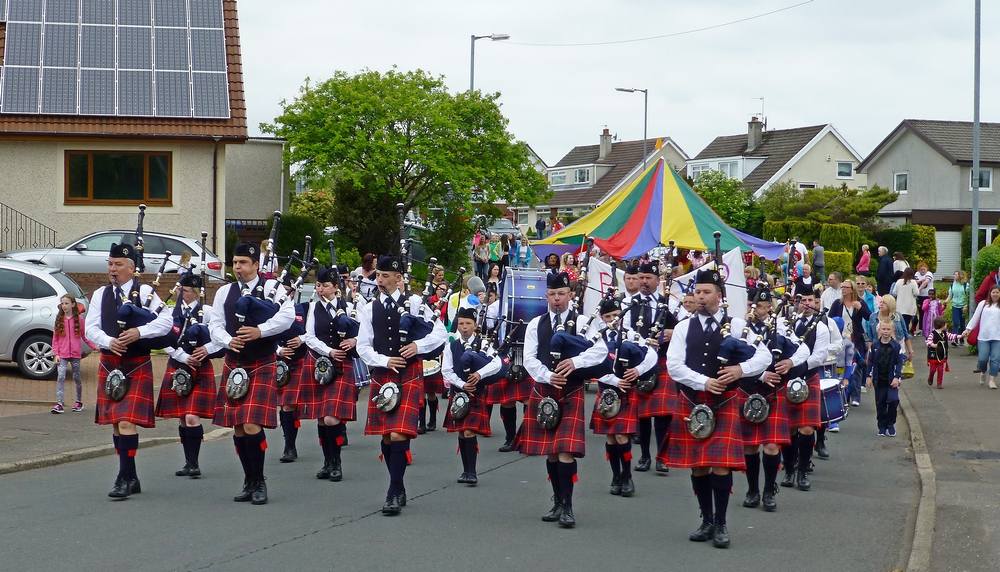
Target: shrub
{"x": 988, "y": 261}
{"x": 924, "y": 246}
{"x": 842, "y": 262}
{"x": 292, "y": 234}
{"x": 840, "y": 237}
{"x": 781, "y": 230}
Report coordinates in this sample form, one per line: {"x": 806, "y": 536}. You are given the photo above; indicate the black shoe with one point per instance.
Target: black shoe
{"x": 259, "y": 494}
{"x": 635, "y": 439}
{"x": 567, "y": 519}
{"x": 473, "y": 480}
{"x": 789, "y": 480}
{"x": 194, "y": 472}
{"x": 810, "y": 468}
{"x": 324, "y": 473}
{"x": 184, "y": 471}
{"x": 463, "y": 478}
{"x": 643, "y": 465}
{"x": 768, "y": 500}
{"x": 628, "y": 487}
{"x": 802, "y": 482}
{"x": 421, "y": 428}
{"x": 120, "y": 490}
{"x": 289, "y": 456}
{"x": 822, "y": 452}
{"x": 336, "y": 473}
{"x": 431, "y": 427}
{"x": 703, "y": 534}
{"x": 616, "y": 486}
{"x": 555, "y": 512}
{"x": 752, "y": 500}
{"x": 391, "y": 506}
{"x": 507, "y": 447}
{"x": 247, "y": 493}
{"x": 661, "y": 468}
{"x": 720, "y": 537}
{"x": 401, "y": 498}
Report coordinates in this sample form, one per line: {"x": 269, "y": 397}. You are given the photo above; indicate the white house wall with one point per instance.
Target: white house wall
{"x": 819, "y": 165}
{"x": 253, "y": 180}
{"x": 933, "y": 180}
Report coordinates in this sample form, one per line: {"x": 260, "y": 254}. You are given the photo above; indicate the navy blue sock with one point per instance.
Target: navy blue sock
{"x": 660, "y": 426}
{"x": 397, "y": 466}
{"x": 567, "y": 476}
{"x": 472, "y": 445}
{"x": 324, "y": 441}
{"x": 196, "y": 435}
{"x": 255, "y": 446}
{"x": 128, "y": 444}
{"x": 552, "y": 467}
{"x": 790, "y": 453}
{"x": 625, "y": 458}
{"x": 336, "y": 435}
{"x": 614, "y": 460}
{"x": 240, "y": 443}
{"x": 463, "y": 451}
{"x": 702, "y": 486}
{"x": 722, "y": 486}
{"x": 753, "y": 472}
{"x": 771, "y": 463}
{"x": 509, "y": 417}
{"x": 806, "y": 444}
{"x": 645, "y": 434}
{"x": 288, "y": 428}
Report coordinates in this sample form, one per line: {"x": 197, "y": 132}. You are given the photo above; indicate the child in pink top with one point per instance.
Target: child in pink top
{"x": 932, "y": 308}
{"x": 68, "y": 337}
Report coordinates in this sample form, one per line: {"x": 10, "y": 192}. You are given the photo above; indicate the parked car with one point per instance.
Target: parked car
{"x": 502, "y": 226}
{"x": 29, "y": 303}
{"x": 90, "y": 253}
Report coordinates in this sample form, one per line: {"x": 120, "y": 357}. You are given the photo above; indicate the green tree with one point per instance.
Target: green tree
{"x": 317, "y": 204}
{"x": 785, "y": 201}
{"x": 377, "y": 139}
{"x": 730, "y": 200}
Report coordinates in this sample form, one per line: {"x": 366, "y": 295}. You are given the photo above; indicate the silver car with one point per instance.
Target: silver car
{"x": 90, "y": 253}
{"x": 29, "y": 303}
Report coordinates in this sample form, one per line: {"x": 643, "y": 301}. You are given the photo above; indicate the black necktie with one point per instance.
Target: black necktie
{"x": 710, "y": 324}
{"x": 187, "y": 313}
{"x": 611, "y": 337}
{"x": 329, "y": 308}
{"x": 556, "y": 322}
{"x": 119, "y": 296}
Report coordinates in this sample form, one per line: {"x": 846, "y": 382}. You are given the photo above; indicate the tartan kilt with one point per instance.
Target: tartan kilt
{"x": 477, "y": 420}
{"x": 774, "y": 429}
{"x": 336, "y": 399}
{"x": 259, "y": 405}
{"x": 722, "y": 449}
{"x": 403, "y": 419}
{"x": 807, "y": 413}
{"x": 662, "y": 401}
{"x": 567, "y": 437}
{"x": 434, "y": 383}
{"x": 137, "y": 405}
{"x": 201, "y": 400}
{"x": 625, "y": 423}
{"x": 298, "y": 374}
{"x": 507, "y": 391}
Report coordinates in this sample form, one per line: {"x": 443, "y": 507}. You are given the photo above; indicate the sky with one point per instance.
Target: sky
{"x": 862, "y": 65}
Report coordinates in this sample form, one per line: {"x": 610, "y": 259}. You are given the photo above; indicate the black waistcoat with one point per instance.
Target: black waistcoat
{"x": 385, "y": 327}
{"x": 258, "y": 349}
{"x": 703, "y": 348}
{"x": 323, "y": 324}
{"x": 545, "y": 336}
{"x": 109, "y": 315}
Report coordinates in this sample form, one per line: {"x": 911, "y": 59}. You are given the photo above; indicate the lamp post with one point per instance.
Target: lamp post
{"x": 645, "y": 116}
{"x": 472, "y": 54}
{"x": 975, "y": 147}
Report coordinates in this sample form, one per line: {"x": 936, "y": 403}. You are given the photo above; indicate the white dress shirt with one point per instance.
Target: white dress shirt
{"x": 448, "y": 366}
{"x": 821, "y": 349}
{"x": 275, "y": 325}
{"x": 315, "y": 344}
{"x": 178, "y": 353}
{"x": 648, "y": 362}
{"x": 829, "y": 296}
{"x": 161, "y": 326}
{"x": 677, "y": 353}
{"x": 366, "y": 332}
{"x": 536, "y": 369}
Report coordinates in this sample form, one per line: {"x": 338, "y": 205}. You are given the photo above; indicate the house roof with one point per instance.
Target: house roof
{"x": 952, "y": 139}
{"x": 233, "y": 129}
{"x": 624, "y": 157}
{"x": 778, "y": 147}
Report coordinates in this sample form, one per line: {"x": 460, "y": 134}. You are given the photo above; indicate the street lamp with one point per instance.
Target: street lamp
{"x": 645, "y": 115}
{"x": 472, "y": 56}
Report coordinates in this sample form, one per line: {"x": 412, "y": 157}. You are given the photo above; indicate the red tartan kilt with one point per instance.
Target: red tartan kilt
{"x": 477, "y": 421}
{"x": 507, "y": 391}
{"x": 722, "y": 449}
{"x": 298, "y": 374}
{"x": 403, "y": 419}
{"x": 807, "y": 413}
{"x": 336, "y": 399}
{"x": 201, "y": 400}
{"x": 625, "y": 423}
{"x": 567, "y": 437}
{"x": 434, "y": 383}
{"x": 259, "y": 405}
{"x": 137, "y": 405}
{"x": 774, "y": 429}
{"x": 662, "y": 401}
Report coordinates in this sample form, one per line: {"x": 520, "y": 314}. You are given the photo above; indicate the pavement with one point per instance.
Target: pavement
{"x": 856, "y": 517}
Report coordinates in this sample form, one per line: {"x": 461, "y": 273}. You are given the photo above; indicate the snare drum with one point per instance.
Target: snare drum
{"x": 833, "y": 404}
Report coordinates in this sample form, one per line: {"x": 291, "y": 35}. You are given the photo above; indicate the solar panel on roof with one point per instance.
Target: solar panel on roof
{"x": 122, "y": 57}
{"x": 3, "y": 10}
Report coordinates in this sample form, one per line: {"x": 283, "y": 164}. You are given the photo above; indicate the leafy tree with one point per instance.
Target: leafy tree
{"x": 785, "y": 201}
{"x": 730, "y": 200}
{"x": 377, "y": 139}
{"x": 317, "y": 204}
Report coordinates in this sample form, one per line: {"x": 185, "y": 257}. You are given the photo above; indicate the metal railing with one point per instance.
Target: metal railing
{"x": 18, "y": 230}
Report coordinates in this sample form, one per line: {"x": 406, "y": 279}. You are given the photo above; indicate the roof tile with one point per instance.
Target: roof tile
{"x": 778, "y": 147}
{"x": 624, "y": 156}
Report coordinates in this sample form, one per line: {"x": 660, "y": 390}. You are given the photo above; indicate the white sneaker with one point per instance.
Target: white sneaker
{"x": 855, "y": 403}
{"x": 834, "y": 428}
{"x": 864, "y": 389}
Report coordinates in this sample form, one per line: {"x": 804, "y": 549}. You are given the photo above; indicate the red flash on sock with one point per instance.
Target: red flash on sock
{"x": 576, "y": 477}
{"x": 409, "y": 457}
{"x": 340, "y": 440}
{"x": 131, "y": 452}
{"x": 298, "y": 423}
{"x": 627, "y": 456}
{"x": 263, "y": 445}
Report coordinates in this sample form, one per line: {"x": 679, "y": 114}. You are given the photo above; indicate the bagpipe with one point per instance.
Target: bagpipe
{"x": 664, "y": 319}
{"x": 344, "y": 326}
{"x": 411, "y": 327}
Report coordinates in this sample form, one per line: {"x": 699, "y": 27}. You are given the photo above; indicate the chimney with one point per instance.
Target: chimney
{"x": 605, "y": 145}
{"x": 755, "y": 133}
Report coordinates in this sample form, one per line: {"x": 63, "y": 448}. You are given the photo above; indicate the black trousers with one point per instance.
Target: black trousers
{"x": 885, "y": 410}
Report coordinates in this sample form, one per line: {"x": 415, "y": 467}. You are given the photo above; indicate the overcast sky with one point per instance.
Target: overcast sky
{"x": 862, "y": 65}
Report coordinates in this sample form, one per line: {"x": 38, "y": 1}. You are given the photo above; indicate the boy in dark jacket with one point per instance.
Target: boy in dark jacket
{"x": 885, "y": 370}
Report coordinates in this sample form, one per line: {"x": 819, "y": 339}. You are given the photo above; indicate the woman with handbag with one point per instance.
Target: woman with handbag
{"x": 987, "y": 317}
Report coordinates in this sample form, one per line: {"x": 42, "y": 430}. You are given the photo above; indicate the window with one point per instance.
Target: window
{"x": 582, "y": 176}
{"x": 41, "y": 289}
{"x": 101, "y": 242}
{"x": 522, "y": 216}
{"x": 150, "y": 244}
{"x": 14, "y": 284}
{"x": 807, "y": 186}
{"x": 901, "y": 182}
{"x": 118, "y": 178}
{"x": 730, "y": 169}
{"x": 985, "y": 179}
{"x": 845, "y": 170}
{"x": 72, "y": 288}
{"x": 697, "y": 170}
{"x": 177, "y": 248}
{"x": 557, "y": 178}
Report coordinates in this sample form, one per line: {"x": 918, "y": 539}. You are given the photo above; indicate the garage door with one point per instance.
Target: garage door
{"x": 949, "y": 252}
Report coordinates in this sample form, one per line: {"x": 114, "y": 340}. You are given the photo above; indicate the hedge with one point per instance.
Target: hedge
{"x": 916, "y": 242}
{"x": 781, "y": 230}
{"x": 988, "y": 261}
{"x": 840, "y": 237}
{"x": 842, "y": 262}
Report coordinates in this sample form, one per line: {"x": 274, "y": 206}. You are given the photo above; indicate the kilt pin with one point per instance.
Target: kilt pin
{"x": 201, "y": 400}
{"x": 403, "y": 419}
{"x": 569, "y": 436}
{"x": 259, "y": 405}
{"x": 137, "y": 405}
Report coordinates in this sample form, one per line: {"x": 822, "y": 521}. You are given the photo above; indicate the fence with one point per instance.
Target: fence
{"x": 19, "y": 231}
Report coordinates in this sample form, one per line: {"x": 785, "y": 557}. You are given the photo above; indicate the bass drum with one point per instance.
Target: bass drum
{"x": 522, "y": 298}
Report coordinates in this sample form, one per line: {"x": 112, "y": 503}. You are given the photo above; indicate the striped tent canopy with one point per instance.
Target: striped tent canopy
{"x": 652, "y": 210}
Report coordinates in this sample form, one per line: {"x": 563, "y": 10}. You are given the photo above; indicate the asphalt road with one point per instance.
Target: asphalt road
{"x": 855, "y": 518}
